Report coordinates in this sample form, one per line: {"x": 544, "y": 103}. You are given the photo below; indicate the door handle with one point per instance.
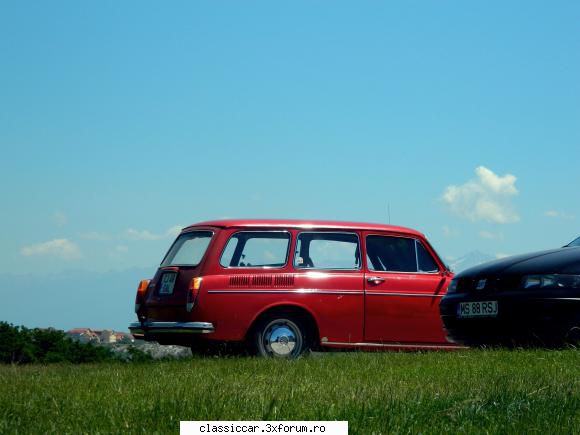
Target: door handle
{"x": 375, "y": 280}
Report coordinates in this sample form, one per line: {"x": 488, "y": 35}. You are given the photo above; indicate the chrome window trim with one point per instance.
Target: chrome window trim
{"x": 196, "y": 230}
{"x": 330, "y": 268}
{"x": 438, "y": 271}
{"x": 288, "y": 249}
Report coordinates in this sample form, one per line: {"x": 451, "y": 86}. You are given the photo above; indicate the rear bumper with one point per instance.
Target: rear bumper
{"x": 148, "y": 329}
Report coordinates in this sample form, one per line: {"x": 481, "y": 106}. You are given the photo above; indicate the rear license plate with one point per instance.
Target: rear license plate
{"x": 167, "y": 283}
{"x": 477, "y": 309}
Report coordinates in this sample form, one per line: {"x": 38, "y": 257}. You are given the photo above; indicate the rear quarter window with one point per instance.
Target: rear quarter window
{"x": 188, "y": 249}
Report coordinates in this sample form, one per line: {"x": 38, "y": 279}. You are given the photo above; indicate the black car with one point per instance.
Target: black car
{"x": 529, "y": 299}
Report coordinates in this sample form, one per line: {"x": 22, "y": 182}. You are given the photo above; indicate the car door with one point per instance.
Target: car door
{"x": 330, "y": 281}
{"x": 403, "y": 286}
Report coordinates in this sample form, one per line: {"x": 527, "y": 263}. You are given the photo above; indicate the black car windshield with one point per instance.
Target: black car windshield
{"x": 575, "y": 242}
{"x": 188, "y": 249}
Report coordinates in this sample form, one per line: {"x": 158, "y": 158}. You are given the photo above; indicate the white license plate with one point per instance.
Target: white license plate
{"x": 167, "y": 283}
{"x": 477, "y": 309}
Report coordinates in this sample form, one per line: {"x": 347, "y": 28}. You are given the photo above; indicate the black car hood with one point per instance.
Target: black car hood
{"x": 561, "y": 260}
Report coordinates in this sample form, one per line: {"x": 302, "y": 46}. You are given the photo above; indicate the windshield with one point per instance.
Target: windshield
{"x": 188, "y": 249}
{"x": 575, "y": 242}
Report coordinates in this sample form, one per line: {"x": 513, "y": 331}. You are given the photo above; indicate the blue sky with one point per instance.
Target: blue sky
{"x": 121, "y": 120}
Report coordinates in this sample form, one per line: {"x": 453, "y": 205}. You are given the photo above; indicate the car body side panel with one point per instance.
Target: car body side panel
{"x": 232, "y": 298}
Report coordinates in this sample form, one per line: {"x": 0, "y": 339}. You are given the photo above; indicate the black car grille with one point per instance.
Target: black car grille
{"x": 492, "y": 284}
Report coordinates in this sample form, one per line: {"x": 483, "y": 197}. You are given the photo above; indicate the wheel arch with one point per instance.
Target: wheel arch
{"x": 291, "y": 310}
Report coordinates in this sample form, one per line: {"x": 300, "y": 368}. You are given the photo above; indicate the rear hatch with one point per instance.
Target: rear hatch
{"x": 169, "y": 293}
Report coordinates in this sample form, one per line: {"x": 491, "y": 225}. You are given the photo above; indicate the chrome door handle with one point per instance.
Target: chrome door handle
{"x": 375, "y": 279}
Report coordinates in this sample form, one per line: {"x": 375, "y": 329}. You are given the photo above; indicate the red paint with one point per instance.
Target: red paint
{"x": 349, "y": 311}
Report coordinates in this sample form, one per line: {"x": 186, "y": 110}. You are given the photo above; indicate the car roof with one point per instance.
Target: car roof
{"x": 302, "y": 224}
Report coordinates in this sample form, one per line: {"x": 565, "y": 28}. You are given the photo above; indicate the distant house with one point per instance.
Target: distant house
{"x": 99, "y": 336}
{"x": 107, "y": 336}
{"x": 84, "y": 335}
{"x": 124, "y": 337}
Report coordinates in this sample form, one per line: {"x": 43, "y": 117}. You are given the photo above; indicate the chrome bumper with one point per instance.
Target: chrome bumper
{"x": 140, "y": 330}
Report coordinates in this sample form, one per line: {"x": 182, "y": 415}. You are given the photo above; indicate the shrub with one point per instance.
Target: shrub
{"x": 20, "y": 345}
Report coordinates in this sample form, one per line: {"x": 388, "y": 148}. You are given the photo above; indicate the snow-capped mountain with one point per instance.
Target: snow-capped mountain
{"x": 468, "y": 260}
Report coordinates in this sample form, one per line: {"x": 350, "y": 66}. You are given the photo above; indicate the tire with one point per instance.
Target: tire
{"x": 573, "y": 336}
{"x": 282, "y": 337}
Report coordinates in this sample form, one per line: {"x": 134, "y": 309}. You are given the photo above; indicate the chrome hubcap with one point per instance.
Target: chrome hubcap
{"x": 281, "y": 338}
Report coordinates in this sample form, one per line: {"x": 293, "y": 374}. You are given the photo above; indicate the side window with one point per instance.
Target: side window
{"x": 398, "y": 254}
{"x": 426, "y": 262}
{"x": 327, "y": 251}
{"x": 256, "y": 249}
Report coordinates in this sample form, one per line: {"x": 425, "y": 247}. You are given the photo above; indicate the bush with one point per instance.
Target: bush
{"x": 20, "y": 345}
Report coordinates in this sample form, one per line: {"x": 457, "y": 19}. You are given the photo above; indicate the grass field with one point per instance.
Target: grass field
{"x": 476, "y": 391}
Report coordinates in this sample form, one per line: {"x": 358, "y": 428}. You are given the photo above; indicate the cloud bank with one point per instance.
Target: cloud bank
{"x": 486, "y": 198}
{"x": 558, "y": 214}
{"x": 58, "y": 247}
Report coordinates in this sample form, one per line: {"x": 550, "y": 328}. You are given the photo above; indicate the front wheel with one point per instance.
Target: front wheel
{"x": 281, "y": 337}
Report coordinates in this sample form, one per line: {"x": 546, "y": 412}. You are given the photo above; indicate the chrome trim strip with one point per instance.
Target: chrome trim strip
{"x": 407, "y": 346}
{"x": 563, "y": 299}
{"x": 323, "y": 292}
{"x": 144, "y": 328}
{"x": 300, "y": 291}
{"x": 420, "y": 295}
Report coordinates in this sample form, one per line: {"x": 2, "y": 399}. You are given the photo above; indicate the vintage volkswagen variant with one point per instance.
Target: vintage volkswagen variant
{"x": 283, "y": 287}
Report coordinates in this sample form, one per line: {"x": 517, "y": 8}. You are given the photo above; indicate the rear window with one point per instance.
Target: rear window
{"x": 256, "y": 249}
{"x": 398, "y": 254}
{"x": 188, "y": 249}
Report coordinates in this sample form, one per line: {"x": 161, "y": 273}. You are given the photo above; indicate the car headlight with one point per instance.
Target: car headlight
{"x": 551, "y": 281}
{"x": 452, "y": 288}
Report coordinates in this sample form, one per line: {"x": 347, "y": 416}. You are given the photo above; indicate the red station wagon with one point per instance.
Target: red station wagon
{"x": 286, "y": 286}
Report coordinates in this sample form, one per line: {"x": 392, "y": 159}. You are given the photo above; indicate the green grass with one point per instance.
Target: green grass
{"x": 477, "y": 391}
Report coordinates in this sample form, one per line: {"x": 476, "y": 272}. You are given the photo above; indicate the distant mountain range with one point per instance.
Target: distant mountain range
{"x": 71, "y": 299}
{"x": 97, "y": 300}
{"x": 468, "y": 260}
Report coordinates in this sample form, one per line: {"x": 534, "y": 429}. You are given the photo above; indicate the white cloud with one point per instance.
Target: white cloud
{"x": 501, "y": 255}
{"x": 174, "y": 231}
{"x": 59, "y": 218}
{"x": 133, "y": 234}
{"x": 59, "y": 247}
{"x": 486, "y": 198}
{"x": 558, "y": 214}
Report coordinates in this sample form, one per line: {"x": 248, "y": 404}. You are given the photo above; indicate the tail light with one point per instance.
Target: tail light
{"x": 141, "y": 289}
{"x": 194, "y": 287}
